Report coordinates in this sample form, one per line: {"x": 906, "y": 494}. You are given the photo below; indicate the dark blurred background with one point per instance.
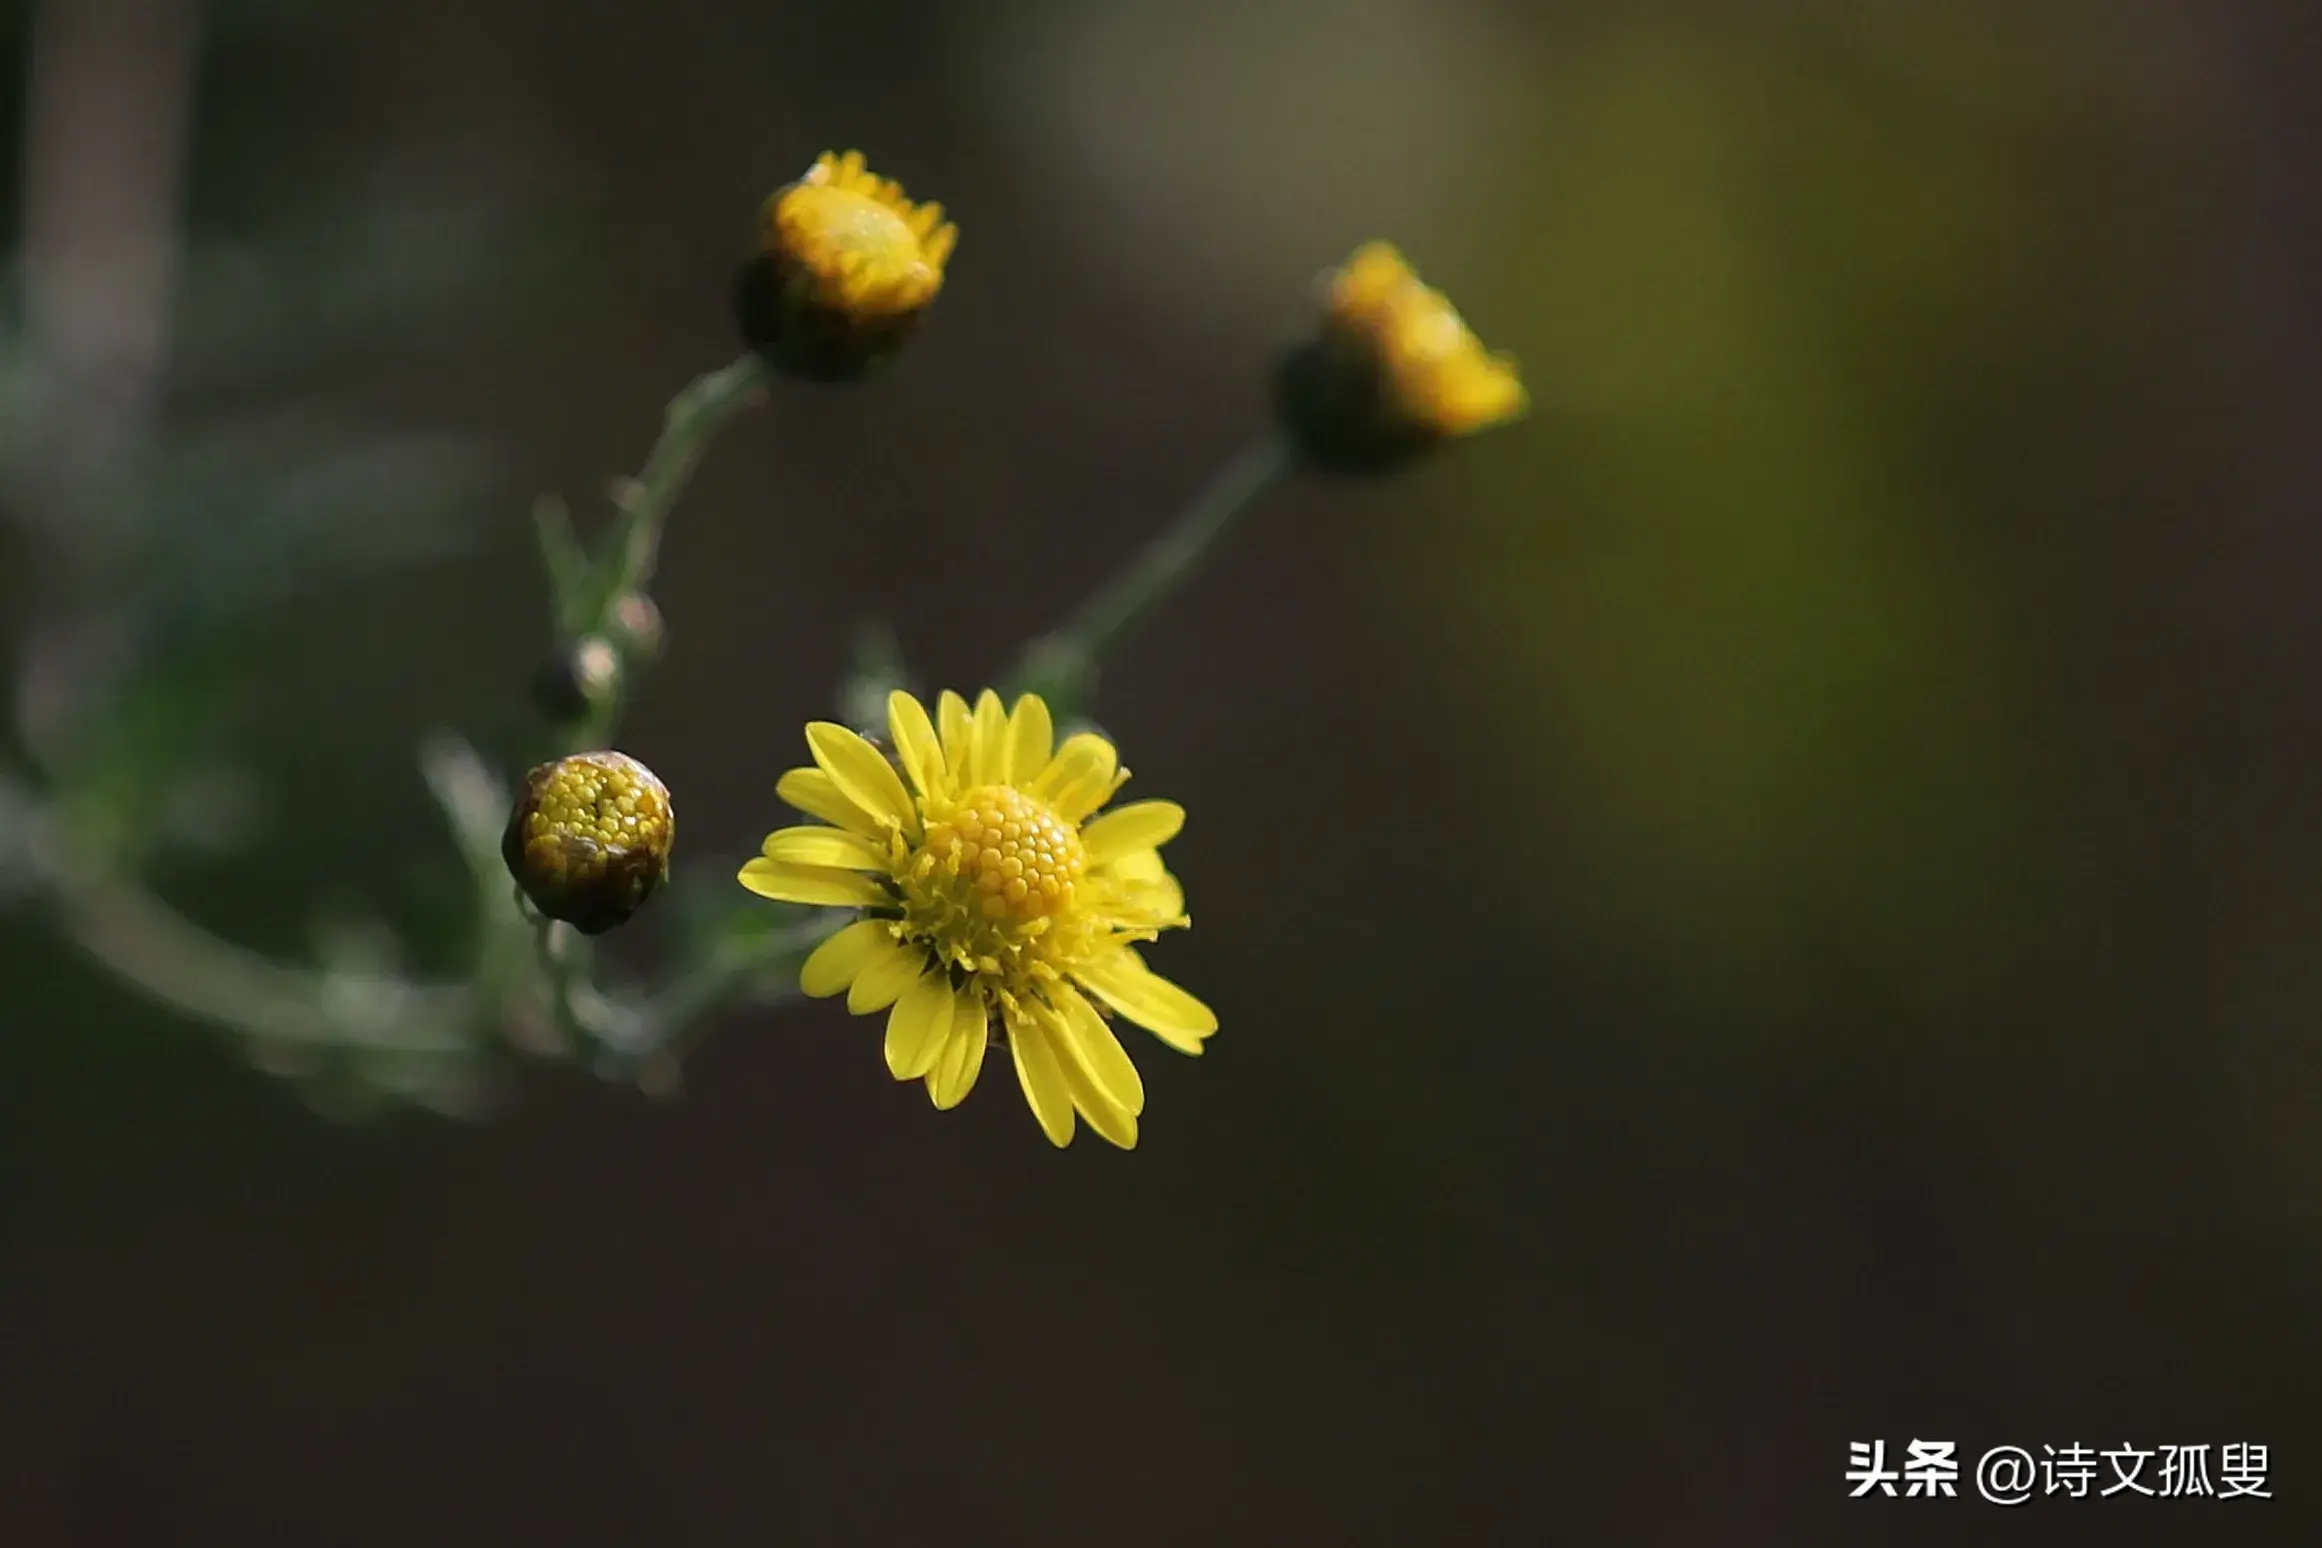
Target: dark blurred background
{"x": 1778, "y": 903}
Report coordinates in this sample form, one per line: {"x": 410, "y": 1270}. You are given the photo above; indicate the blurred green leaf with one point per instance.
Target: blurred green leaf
{"x": 266, "y": 510}
{"x": 566, "y": 562}
{"x": 20, "y": 821}
{"x": 267, "y": 306}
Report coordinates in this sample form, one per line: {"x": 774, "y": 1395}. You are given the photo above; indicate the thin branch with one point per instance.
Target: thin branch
{"x": 176, "y": 963}
{"x": 1063, "y": 664}
{"x": 695, "y": 416}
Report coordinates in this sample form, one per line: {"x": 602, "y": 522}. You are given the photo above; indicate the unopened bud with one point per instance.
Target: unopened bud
{"x": 1390, "y": 371}
{"x": 845, "y": 267}
{"x": 590, "y": 838}
{"x": 581, "y": 677}
{"x": 637, "y": 625}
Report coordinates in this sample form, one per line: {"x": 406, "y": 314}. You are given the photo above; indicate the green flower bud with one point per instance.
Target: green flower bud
{"x": 577, "y": 679}
{"x": 589, "y": 840}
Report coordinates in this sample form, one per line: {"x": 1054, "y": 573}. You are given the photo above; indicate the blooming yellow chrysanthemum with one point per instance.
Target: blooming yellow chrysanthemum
{"x": 1395, "y": 368}
{"x": 844, "y": 268}
{"x": 993, "y": 896}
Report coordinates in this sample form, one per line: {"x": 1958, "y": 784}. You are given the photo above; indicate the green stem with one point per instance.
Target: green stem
{"x": 1064, "y": 663}
{"x": 147, "y": 944}
{"x": 730, "y": 970}
{"x": 647, "y": 1040}
{"x": 695, "y": 416}
{"x": 564, "y": 963}
{"x": 588, "y": 593}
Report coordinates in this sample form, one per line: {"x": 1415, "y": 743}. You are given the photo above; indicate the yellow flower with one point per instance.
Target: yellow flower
{"x": 844, "y": 268}
{"x": 1392, "y": 370}
{"x": 993, "y": 896}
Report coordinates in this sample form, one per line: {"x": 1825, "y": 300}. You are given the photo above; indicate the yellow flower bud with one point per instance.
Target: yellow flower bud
{"x": 589, "y": 840}
{"x": 1391, "y": 371}
{"x": 845, "y": 268}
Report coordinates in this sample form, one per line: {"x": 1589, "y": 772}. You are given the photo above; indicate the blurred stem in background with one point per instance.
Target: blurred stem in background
{"x": 152, "y": 947}
{"x": 109, "y": 107}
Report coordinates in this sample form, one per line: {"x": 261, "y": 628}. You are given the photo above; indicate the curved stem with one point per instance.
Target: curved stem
{"x": 176, "y": 963}
{"x": 704, "y": 407}
{"x": 588, "y": 594}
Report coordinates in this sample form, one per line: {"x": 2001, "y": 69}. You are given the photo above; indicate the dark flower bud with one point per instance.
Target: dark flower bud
{"x": 581, "y": 677}
{"x": 589, "y": 840}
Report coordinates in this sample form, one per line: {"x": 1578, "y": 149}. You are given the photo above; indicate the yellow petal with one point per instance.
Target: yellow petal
{"x": 833, "y": 847}
{"x": 812, "y": 884}
{"x": 1141, "y": 866}
{"x": 1484, "y": 394}
{"x": 835, "y": 963}
{"x": 917, "y": 1027}
{"x": 861, "y": 773}
{"x": 1031, "y": 739}
{"x": 951, "y": 714}
{"x": 1121, "y": 979}
{"x": 1041, "y": 1074}
{"x": 1107, "y": 1117}
{"x": 816, "y": 794}
{"x": 1147, "y": 890}
{"x": 1074, "y": 805}
{"x": 1084, "y": 763}
{"x": 1089, "y": 1045}
{"x": 1139, "y": 825}
{"x": 954, "y": 1075}
{"x": 915, "y": 741}
{"x": 988, "y": 741}
{"x": 884, "y": 978}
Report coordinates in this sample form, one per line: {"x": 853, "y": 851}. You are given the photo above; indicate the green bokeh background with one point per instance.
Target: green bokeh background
{"x": 1775, "y": 904}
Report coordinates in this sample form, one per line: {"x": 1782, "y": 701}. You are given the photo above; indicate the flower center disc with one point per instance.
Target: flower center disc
{"x": 1003, "y": 857}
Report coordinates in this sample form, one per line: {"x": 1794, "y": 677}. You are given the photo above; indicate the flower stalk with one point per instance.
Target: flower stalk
{"x": 1062, "y": 666}
{"x": 695, "y": 417}
{"x": 594, "y": 598}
